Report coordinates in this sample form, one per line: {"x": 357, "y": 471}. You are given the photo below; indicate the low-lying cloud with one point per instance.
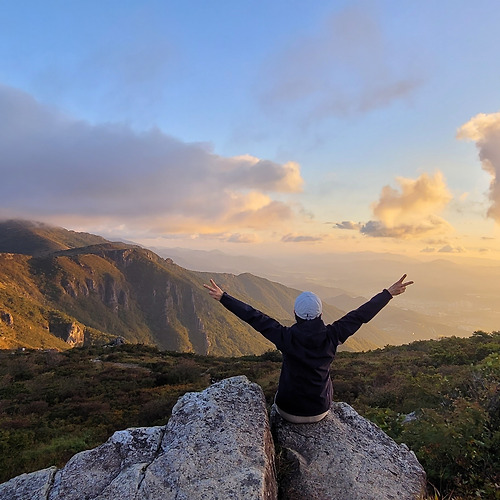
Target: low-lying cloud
{"x": 299, "y": 238}
{"x": 54, "y": 165}
{"x": 484, "y": 130}
{"x": 348, "y": 224}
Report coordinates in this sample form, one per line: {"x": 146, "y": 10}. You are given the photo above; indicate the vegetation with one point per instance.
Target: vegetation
{"x": 441, "y": 398}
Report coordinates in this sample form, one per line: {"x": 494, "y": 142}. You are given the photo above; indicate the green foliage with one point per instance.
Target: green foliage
{"x": 55, "y": 404}
{"x": 441, "y": 398}
{"x": 424, "y": 394}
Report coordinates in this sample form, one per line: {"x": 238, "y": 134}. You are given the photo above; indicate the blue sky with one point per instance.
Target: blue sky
{"x": 281, "y": 126}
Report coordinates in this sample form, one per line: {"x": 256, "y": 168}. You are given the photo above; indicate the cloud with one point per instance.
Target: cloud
{"x": 347, "y": 66}
{"x": 347, "y": 224}
{"x": 410, "y": 211}
{"x": 432, "y": 224}
{"x": 416, "y": 198}
{"x": 243, "y": 238}
{"x": 484, "y": 130}
{"x": 294, "y": 238}
{"x": 54, "y": 165}
{"x": 451, "y": 249}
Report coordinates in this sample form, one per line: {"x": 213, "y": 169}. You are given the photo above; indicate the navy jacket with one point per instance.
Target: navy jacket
{"x": 308, "y": 348}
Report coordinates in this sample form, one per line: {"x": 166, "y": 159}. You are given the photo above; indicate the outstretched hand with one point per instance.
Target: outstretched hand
{"x": 399, "y": 286}
{"x": 214, "y": 290}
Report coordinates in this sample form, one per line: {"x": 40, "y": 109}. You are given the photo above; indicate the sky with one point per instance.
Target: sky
{"x": 255, "y": 127}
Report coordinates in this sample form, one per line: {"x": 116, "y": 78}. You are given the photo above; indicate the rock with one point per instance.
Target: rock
{"x": 34, "y": 486}
{"x": 7, "y": 318}
{"x": 216, "y": 445}
{"x": 111, "y": 471}
{"x": 344, "y": 457}
{"x": 75, "y": 335}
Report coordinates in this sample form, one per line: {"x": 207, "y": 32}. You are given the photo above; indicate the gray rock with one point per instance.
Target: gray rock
{"x": 218, "y": 445}
{"x": 344, "y": 457}
{"x": 98, "y": 472}
{"x": 34, "y": 486}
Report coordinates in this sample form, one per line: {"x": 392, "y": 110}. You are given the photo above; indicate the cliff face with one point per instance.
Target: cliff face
{"x": 218, "y": 444}
{"x": 103, "y": 291}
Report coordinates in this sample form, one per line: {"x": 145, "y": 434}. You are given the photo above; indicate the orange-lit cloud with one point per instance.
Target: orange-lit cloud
{"x": 408, "y": 212}
{"x": 416, "y": 198}
{"x": 53, "y": 166}
{"x": 484, "y": 130}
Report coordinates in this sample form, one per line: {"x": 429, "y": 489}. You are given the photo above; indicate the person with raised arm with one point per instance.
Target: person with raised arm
{"x": 305, "y": 389}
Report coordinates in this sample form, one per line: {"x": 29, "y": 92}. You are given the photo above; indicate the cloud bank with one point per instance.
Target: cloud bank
{"x": 484, "y": 130}
{"x": 52, "y": 164}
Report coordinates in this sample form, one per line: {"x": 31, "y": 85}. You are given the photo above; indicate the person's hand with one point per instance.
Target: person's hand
{"x": 214, "y": 290}
{"x": 399, "y": 286}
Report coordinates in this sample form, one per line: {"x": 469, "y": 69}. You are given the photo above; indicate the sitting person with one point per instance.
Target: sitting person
{"x": 305, "y": 389}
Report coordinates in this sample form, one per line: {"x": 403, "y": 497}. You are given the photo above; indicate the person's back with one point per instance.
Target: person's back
{"x": 305, "y": 389}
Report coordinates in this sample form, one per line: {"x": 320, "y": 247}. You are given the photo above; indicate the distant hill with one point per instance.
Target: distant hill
{"x": 58, "y": 286}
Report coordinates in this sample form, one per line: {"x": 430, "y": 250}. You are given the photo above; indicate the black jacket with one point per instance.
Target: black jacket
{"x": 308, "y": 347}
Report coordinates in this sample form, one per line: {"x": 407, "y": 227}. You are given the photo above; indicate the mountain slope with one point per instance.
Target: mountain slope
{"x": 85, "y": 292}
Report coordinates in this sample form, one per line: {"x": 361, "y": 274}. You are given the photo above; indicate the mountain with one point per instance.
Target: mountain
{"x": 61, "y": 288}
{"x": 37, "y": 238}
{"x": 455, "y": 290}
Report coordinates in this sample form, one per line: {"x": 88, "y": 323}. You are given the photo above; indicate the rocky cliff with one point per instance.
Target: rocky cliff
{"x": 218, "y": 445}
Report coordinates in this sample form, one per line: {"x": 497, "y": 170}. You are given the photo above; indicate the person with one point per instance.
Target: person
{"x": 308, "y": 347}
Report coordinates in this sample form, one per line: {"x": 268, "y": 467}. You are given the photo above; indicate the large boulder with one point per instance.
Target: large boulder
{"x": 342, "y": 457}
{"x": 216, "y": 445}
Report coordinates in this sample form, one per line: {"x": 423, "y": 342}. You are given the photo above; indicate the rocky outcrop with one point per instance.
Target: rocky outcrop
{"x": 7, "y": 318}
{"x": 218, "y": 445}
{"x": 345, "y": 456}
{"x": 70, "y": 331}
{"x": 76, "y": 335}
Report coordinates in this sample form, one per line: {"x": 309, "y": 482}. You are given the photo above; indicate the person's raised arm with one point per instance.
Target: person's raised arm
{"x": 269, "y": 327}
{"x": 350, "y": 323}
{"x": 214, "y": 290}
{"x": 400, "y": 286}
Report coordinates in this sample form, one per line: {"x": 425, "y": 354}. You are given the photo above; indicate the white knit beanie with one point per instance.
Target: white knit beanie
{"x": 308, "y": 305}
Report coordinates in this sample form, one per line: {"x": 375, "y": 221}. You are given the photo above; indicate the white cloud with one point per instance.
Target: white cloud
{"x": 484, "y": 130}
{"x": 53, "y": 165}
